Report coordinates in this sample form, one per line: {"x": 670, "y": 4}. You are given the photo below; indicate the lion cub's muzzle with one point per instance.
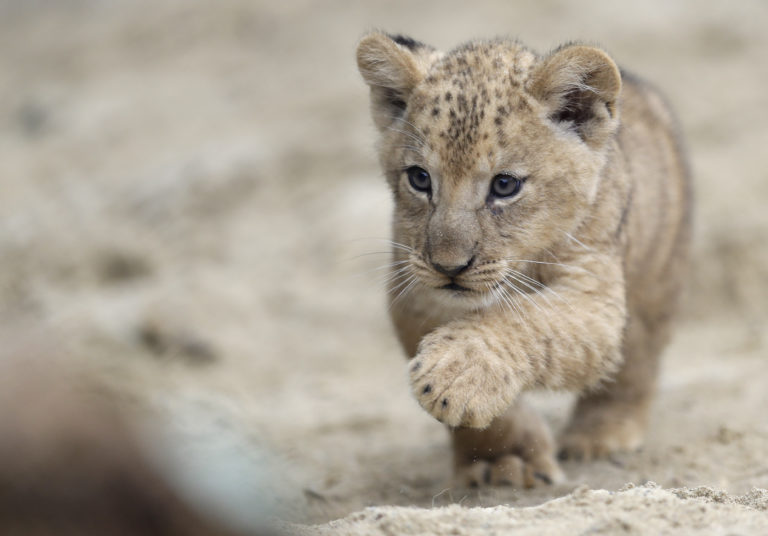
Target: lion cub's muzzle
{"x": 452, "y": 270}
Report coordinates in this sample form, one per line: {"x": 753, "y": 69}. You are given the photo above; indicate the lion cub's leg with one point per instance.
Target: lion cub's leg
{"x": 517, "y": 449}
{"x": 614, "y": 418}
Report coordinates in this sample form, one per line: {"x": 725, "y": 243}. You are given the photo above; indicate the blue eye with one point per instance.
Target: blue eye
{"x": 419, "y": 179}
{"x": 506, "y": 186}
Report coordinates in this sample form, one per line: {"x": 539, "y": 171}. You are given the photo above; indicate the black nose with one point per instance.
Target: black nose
{"x": 452, "y": 271}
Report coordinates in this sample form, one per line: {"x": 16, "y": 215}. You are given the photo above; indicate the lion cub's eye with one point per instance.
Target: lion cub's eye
{"x": 505, "y": 186}
{"x": 419, "y": 179}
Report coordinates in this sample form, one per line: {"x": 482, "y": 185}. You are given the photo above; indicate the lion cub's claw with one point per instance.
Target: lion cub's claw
{"x": 509, "y": 470}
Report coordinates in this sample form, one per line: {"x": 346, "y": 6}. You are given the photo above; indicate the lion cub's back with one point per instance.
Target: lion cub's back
{"x": 659, "y": 210}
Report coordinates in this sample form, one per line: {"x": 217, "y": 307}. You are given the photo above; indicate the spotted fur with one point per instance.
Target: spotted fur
{"x": 569, "y": 284}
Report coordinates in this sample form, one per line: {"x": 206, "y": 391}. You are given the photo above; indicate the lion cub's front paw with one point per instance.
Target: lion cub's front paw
{"x": 460, "y": 382}
{"x": 509, "y": 470}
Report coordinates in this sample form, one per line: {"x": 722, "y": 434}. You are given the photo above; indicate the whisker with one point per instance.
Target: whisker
{"x": 398, "y": 245}
{"x": 394, "y": 267}
{"x": 492, "y": 291}
{"x": 405, "y": 269}
{"x": 399, "y": 284}
{"x": 410, "y": 148}
{"x": 572, "y": 266}
{"x": 549, "y": 252}
{"x": 512, "y": 302}
{"x": 483, "y": 280}
{"x": 521, "y": 278}
{"x": 544, "y": 289}
{"x": 404, "y": 291}
{"x": 390, "y": 265}
{"x": 527, "y": 278}
{"x": 418, "y": 140}
{"x": 528, "y": 286}
{"x": 524, "y": 295}
{"x": 414, "y": 127}
{"x": 396, "y": 301}
{"x": 392, "y": 243}
{"x": 495, "y": 297}
{"x": 579, "y": 242}
{"x": 369, "y": 254}
{"x": 377, "y": 238}
{"x": 504, "y": 299}
{"x": 395, "y": 275}
{"x": 559, "y": 297}
{"x": 380, "y": 239}
{"x": 543, "y": 262}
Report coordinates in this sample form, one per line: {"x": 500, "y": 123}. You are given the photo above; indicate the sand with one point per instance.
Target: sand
{"x": 192, "y": 210}
{"x": 631, "y": 511}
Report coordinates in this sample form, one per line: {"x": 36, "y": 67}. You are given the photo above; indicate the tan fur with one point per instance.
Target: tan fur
{"x": 570, "y": 284}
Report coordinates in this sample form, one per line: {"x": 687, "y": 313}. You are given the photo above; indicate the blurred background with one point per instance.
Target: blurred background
{"x": 192, "y": 215}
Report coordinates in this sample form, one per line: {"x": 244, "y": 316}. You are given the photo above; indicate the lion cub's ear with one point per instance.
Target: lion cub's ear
{"x": 392, "y": 66}
{"x": 580, "y": 85}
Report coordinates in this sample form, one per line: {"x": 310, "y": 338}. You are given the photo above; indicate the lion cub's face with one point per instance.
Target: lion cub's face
{"x": 492, "y": 154}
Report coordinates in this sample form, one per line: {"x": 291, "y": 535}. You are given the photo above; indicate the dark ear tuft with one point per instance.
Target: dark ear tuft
{"x": 408, "y": 42}
{"x": 576, "y": 110}
{"x": 580, "y": 85}
{"x": 394, "y": 99}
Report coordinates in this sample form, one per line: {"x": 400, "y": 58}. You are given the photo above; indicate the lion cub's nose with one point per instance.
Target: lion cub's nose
{"x": 452, "y": 271}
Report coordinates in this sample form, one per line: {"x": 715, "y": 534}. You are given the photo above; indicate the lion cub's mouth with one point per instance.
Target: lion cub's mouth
{"x": 456, "y": 287}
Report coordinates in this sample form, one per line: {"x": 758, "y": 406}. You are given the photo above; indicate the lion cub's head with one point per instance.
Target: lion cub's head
{"x": 492, "y": 153}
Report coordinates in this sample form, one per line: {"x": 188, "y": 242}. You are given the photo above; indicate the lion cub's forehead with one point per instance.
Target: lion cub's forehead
{"x": 466, "y": 100}
{"x": 493, "y": 61}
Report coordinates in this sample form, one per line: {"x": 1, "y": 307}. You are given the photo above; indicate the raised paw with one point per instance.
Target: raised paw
{"x": 461, "y": 383}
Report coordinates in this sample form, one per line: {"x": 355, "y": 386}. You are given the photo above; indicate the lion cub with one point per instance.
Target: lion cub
{"x": 541, "y": 228}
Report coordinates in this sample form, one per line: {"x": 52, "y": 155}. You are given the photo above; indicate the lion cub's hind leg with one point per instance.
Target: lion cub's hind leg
{"x": 517, "y": 449}
{"x": 614, "y": 418}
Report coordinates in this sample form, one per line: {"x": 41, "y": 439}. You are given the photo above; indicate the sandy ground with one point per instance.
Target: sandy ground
{"x": 190, "y": 207}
